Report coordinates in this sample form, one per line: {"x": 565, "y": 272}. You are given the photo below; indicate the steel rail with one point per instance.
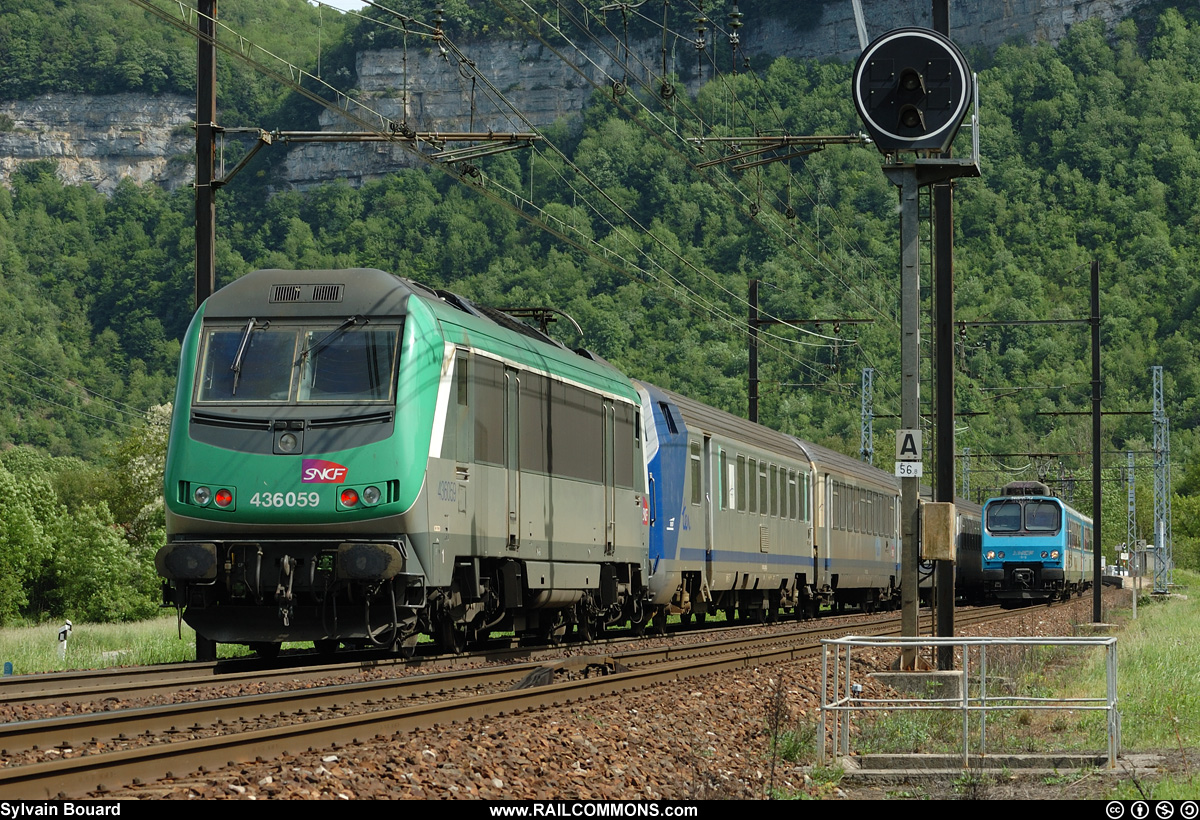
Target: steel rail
{"x": 99, "y": 774}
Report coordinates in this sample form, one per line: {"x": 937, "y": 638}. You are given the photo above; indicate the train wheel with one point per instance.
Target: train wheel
{"x": 660, "y": 621}
{"x": 267, "y": 650}
{"x": 451, "y": 637}
{"x": 206, "y": 649}
{"x": 552, "y": 629}
{"x": 407, "y": 647}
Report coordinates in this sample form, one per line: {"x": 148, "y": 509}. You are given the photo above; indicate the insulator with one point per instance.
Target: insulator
{"x": 790, "y": 212}
{"x": 666, "y": 90}
{"x": 619, "y": 89}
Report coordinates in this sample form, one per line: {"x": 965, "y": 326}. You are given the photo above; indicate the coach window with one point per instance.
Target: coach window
{"x": 668, "y": 417}
{"x": 697, "y": 484}
{"x": 576, "y": 441}
{"x": 489, "y": 411}
{"x": 753, "y": 485}
{"x": 762, "y": 487}
{"x": 535, "y": 416}
{"x": 774, "y": 491}
{"x": 628, "y": 447}
{"x": 741, "y": 483}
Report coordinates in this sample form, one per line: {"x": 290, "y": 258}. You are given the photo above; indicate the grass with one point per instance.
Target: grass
{"x": 1158, "y": 689}
{"x": 32, "y": 649}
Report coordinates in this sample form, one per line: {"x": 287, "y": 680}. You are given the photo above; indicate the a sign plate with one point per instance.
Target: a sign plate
{"x": 909, "y": 469}
{"x": 908, "y": 445}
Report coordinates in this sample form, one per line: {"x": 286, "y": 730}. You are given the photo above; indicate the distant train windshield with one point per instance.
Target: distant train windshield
{"x": 263, "y": 363}
{"x": 1031, "y": 516}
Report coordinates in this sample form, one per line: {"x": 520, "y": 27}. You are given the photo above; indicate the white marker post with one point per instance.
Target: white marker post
{"x": 63, "y": 633}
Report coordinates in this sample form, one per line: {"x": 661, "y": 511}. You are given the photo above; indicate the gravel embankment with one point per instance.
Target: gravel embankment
{"x": 706, "y": 738}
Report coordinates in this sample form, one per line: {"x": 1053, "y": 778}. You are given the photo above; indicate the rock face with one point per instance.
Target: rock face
{"x": 99, "y": 141}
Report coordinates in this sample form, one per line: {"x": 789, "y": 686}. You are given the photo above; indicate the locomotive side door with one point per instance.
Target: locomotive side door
{"x": 512, "y": 450}
{"x": 610, "y": 478}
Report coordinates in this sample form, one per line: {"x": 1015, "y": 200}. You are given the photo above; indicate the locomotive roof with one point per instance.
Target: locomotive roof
{"x": 283, "y": 293}
{"x": 280, "y": 293}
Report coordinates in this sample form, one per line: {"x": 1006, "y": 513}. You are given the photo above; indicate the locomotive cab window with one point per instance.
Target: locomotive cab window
{"x": 280, "y": 364}
{"x": 1042, "y": 516}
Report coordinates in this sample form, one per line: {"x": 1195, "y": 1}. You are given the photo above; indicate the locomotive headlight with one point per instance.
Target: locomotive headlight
{"x": 1054, "y": 554}
{"x": 371, "y": 495}
{"x": 223, "y": 498}
{"x": 349, "y": 497}
{"x": 202, "y": 495}
{"x": 1045, "y": 554}
{"x": 288, "y": 442}
{"x": 991, "y": 556}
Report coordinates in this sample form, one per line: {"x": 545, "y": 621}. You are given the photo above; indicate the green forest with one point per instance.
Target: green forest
{"x": 1090, "y": 151}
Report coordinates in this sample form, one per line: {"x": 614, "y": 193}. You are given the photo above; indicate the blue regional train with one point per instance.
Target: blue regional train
{"x": 1035, "y": 547}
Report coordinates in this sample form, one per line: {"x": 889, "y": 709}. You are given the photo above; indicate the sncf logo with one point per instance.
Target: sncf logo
{"x": 316, "y": 471}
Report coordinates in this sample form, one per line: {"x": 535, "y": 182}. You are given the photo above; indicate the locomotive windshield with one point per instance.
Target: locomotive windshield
{"x": 264, "y": 363}
{"x": 1023, "y": 516}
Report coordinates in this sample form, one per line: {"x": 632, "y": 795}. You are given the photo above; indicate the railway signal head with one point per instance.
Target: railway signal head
{"x": 912, "y": 87}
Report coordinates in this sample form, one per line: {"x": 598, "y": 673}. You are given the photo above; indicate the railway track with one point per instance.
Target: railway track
{"x": 99, "y": 753}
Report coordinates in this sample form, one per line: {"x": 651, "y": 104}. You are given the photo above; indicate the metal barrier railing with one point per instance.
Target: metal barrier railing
{"x": 970, "y": 701}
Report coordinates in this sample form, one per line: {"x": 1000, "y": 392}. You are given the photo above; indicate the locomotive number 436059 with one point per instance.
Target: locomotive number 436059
{"x": 285, "y": 499}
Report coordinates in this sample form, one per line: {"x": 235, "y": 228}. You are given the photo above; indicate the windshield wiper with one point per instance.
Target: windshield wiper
{"x": 328, "y": 337}
{"x": 236, "y": 367}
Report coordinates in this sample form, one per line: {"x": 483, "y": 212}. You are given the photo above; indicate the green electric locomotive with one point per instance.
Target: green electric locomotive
{"x": 357, "y": 459}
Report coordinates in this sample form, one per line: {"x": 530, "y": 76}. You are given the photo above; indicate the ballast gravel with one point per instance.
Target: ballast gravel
{"x": 702, "y": 738}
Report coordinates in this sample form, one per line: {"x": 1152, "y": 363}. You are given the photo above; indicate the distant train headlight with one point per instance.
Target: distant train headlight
{"x": 371, "y": 495}
{"x": 991, "y": 556}
{"x": 223, "y": 498}
{"x": 1045, "y": 554}
{"x": 349, "y": 497}
{"x": 202, "y": 495}
{"x": 288, "y": 442}
{"x": 1054, "y": 554}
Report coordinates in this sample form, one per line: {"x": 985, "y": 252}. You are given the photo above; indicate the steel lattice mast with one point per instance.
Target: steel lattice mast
{"x": 1162, "y": 488}
{"x": 866, "y": 437}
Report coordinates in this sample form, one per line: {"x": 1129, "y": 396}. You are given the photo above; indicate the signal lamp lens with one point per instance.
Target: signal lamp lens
{"x": 287, "y": 442}
{"x": 202, "y": 495}
{"x": 224, "y": 498}
{"x": 1045, "y": 554}
{"x": 371, "y": 495}
{"x": 349, "y": 497}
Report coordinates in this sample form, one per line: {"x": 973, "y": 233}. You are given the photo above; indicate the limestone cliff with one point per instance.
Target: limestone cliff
{"x": 99, "y": 141}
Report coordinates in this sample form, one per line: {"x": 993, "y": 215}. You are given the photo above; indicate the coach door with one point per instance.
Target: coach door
{"x": 512, "y": 454}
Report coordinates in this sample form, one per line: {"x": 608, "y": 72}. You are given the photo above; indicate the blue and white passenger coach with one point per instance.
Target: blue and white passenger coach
{"x": 1035, "y": 547}
{"x": 749, "y": 520}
